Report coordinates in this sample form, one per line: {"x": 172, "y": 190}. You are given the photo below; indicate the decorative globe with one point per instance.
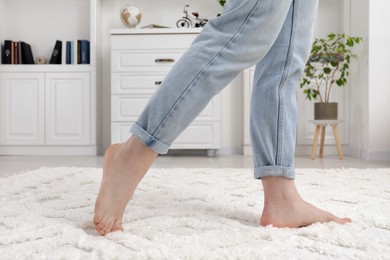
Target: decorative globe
{"x": 130, "y": 16}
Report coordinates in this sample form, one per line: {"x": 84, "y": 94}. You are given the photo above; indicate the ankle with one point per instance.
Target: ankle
{"x": 134, "y": 145}
{"x": 279, "y": 190}
{"x": 133, "y": 149}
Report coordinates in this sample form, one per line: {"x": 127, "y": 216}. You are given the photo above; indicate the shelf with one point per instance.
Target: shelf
{"x": 155, "y": 31}
{"x": 45, "y": 68}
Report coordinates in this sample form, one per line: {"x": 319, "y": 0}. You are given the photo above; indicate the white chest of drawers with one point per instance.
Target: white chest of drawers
{"x": 140, "y": 59}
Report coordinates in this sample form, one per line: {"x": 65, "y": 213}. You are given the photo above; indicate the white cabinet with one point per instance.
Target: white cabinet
{"x": 45, "y": 111}
{"x": 21, "y": 109}
{"x": 139, "y": 62}
{"x": 67, "y": 109}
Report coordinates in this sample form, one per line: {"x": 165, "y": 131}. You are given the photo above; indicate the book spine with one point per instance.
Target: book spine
{"x": 71, "y": 52}
{"x": 13, "y": 53}
{"x": 85, "y": 57}
{"x": 78, "y": 52}
{"x": 63, "y": 52}
{"x": 68, "y": 53}
{"x": 75, "y": 51}
{"x": 20, "y": 59}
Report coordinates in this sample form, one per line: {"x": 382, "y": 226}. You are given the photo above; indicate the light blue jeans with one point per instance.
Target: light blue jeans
{"x": 274, "y": 35}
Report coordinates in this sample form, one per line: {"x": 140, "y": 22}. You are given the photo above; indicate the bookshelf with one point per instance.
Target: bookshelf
{"x": 48, "y": 109}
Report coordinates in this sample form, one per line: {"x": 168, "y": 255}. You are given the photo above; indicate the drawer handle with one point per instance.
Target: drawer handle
{"x": 158, "y": 82}
{"x": 164, "y": 60}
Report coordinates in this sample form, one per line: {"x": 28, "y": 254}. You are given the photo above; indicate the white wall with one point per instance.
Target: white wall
{"x": 358, "y": 23}
{"x": 35, "y": 30}
{"x": 379, "y": 76}
{"x": 370, "y": 80}
{"x": 329, "y": 18}
{"x": 2, "y": 26}
{"x": 2, "y": 19}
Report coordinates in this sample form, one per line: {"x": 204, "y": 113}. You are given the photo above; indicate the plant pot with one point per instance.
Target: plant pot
{"x": 325, "y": 111}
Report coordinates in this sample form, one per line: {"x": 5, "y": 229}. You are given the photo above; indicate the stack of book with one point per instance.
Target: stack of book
{"x": 71, "y": 52}
{"x": 16, "y": 53}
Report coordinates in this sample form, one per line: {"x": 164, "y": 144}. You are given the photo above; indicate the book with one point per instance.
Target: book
{"x": 7, "y": 52}
{"x": 63, "y": 52}
{"x": 68, "y": 53}
{"x": 75, "y": 52}
{"x": 26, "y": 53}
{"x": 19, "y": 49}
{"x": 84, "y": 52}
{"x": 71, "y": 52}
{"x": 15, "y": 53}
{"x": 78, "y": 52}
{"x": 56, "y": 55}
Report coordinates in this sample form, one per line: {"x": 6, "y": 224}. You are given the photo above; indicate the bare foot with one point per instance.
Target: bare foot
{"x": 124, "y": 167}
{"x": 283, "y": 206}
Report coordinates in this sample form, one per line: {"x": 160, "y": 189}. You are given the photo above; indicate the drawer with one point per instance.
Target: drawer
{"x": 127, "y": 108}
{"x": 143, "y": 60}
{"x": 196, "y": 136}
{"x": 199, "y": 136}
{"x": 152, "y": 42}
{"x": 125, "y": 83}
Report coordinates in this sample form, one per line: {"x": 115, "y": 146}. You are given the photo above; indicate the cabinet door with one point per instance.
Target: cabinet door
{"x": 22, "y": 108}
{"x": 67, "y": 108}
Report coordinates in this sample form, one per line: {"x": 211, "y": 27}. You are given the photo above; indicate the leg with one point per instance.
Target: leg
{"x": 273, "y": 122}
{"x": 237, "y": 39}
{"x": 315, "y": 142}
{"x": 337, "y": 138}
{"x": 124, "y": 167}
{"x": 322, "y": 141}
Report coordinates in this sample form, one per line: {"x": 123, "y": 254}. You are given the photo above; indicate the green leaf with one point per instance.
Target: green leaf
{"x": 350, "y": 42}
{"x": 329, "y": 61}
{"x": 327, "y": 70}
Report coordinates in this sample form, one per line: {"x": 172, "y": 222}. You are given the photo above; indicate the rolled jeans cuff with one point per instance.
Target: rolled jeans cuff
{"x": 276, "y": 171}
{"x": 149, "y": 140}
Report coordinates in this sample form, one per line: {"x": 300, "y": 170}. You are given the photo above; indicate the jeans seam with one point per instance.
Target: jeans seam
{"x": 279, "y": 151}
{"x": 201, "y": 72}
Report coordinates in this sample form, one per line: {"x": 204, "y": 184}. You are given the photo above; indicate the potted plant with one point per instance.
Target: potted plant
{"x": 327, "y": 67}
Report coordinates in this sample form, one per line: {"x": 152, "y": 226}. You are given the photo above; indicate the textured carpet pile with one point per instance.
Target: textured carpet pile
{"x": 191, "y": 214}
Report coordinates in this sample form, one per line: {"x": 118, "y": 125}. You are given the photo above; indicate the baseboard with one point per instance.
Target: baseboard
{"x": 202, "y": 152}
{"x": 370, "y": 154}
{"x": 48, "y": 150}
{"x": 306, "y": 150}
{"x": 229, "y": 150}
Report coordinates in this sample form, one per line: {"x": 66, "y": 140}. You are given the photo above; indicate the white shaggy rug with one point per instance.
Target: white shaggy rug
{"x": 191, "y": 214}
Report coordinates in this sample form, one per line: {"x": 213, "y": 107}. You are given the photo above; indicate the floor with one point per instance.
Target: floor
{"x": 14, "y": 164}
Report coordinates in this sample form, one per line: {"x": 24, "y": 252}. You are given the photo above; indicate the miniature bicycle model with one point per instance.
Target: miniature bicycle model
{"x": 187, "y": 21}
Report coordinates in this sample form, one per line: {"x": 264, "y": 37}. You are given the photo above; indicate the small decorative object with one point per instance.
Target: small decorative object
{"x": 327, "y": 66}
{"x": 187, "y": 21}
{"x": 40, "y": 60}
{"x": 130, "y": 16}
